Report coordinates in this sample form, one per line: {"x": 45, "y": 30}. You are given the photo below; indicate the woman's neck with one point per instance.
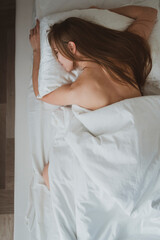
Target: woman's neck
{"x": 86, "y": 64}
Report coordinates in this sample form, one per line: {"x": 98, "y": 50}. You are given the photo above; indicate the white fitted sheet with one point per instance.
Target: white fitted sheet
{"x": 23, "y": 164}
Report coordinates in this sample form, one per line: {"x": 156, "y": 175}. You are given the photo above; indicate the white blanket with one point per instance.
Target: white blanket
{"x": 104, "y": 171}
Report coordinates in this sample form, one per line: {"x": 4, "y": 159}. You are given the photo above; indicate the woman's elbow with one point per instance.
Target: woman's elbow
{"x": 154, "y": 13}
{"x": 149, "y": 13}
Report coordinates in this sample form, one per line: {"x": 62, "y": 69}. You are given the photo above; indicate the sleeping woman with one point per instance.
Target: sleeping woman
{"x": 114, "y": 64}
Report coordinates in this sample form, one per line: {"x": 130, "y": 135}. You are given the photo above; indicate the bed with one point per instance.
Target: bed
{"x": 40, "y": 135}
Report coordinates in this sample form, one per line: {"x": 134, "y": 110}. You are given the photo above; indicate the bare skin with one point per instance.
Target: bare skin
{"x": 94, "y": 88}
{"x": 100, "y": 89}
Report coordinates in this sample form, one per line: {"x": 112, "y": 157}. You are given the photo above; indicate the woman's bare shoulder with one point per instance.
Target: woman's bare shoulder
{"x": 88, "y": 92}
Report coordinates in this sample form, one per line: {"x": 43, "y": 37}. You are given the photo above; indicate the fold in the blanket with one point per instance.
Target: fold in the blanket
{"x": 105, "y": 164}
{"x": 118, "y": 147}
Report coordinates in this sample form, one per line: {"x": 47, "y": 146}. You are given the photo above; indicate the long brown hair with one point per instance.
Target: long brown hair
{"x": 119, "y": 52}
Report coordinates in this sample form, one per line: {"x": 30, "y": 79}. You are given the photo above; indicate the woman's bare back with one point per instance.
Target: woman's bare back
{"x": 99, "y": 89}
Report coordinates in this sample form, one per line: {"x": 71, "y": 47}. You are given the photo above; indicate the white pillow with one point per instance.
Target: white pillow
{"x": 46, "y": 7}
{"x": 52, "y": 74}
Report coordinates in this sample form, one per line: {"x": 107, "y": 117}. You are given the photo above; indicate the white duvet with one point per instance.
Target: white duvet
{"x": 104, "y": 171}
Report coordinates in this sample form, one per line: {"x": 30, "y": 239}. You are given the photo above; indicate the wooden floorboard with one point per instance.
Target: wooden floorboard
{"x": 6, "y": 201}
{"x": 7, "y": 117}
{"x": 10, "y": 75}
{"x": 7, "y": 18}
{"x": 2, "y": 144}
{"x": 3, "y": 65}
{"x": 9, "y": 170}
{"x": 7, "y": 226}
{"x": 7, "y": 4}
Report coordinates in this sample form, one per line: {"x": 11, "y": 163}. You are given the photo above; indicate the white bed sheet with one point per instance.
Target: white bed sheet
{"x": 23, "y": 164}
{"x": 33, "y": 139}
{"x": 104, "y": 174}
{"x": 32, "y": 209}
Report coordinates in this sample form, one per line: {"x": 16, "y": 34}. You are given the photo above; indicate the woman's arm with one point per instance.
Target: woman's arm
{"x": 35, "y": 71}
{"x": 145, "y": 18}
{"x": 136, "y": 12}
{"x": 34, "y": 38}
{"x": 63, "y": 95}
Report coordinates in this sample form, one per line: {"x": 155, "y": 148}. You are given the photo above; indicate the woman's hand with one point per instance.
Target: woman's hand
{"x": 34, "y": 37}
{"x": 95, "y": 7}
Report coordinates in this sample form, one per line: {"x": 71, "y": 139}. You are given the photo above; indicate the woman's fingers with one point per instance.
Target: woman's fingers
{"x": 37, "y": 25}
{"x": 37, "y": 22}
{"x": 31, "y": 31}
{"x": 34, "y": 36}
{"x": 93, "y": 7}
{"x": 35, "y": 29}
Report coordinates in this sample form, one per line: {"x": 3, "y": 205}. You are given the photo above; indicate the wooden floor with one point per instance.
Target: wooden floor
{"x": 7, "y": 117}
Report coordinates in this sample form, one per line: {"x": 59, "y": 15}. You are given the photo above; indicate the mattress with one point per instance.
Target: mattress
{"x": 23, "y": 164}
{"x": 34, "y": 217}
